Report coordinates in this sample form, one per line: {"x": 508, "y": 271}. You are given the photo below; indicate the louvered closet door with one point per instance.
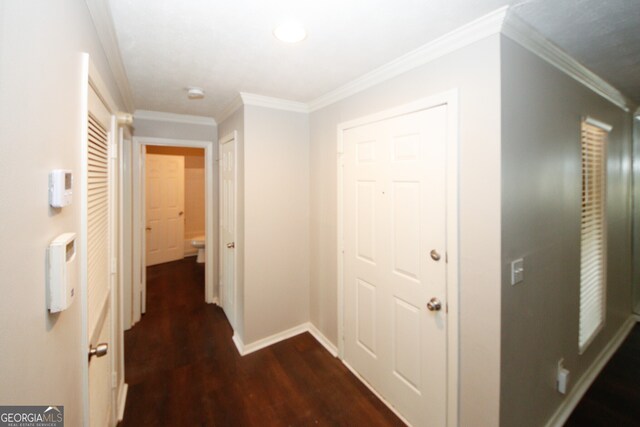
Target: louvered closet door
{"x": 98, "y": 271}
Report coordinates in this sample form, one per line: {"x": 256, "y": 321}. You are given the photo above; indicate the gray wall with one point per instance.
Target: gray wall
{"x": 173, "y": 130}
{"x": 541, "y": 209}
{"x": 41, "y": 114}
{"x": 276, "y": 197}
{"x": 475, "y": 72}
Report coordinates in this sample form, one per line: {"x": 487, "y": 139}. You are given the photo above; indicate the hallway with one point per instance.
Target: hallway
{"x": 183, "y": 369}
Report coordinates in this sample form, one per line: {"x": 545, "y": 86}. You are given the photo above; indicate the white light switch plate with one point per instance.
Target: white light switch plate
{"x": 517, "y": 271}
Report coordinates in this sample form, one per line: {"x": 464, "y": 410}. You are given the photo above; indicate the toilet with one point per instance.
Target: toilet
{"x": 198, "y": 243}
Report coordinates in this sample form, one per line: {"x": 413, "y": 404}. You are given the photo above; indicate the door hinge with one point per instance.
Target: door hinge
{"x": 113, "y": 151}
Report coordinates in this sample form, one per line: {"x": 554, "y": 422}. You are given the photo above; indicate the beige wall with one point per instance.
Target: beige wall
{"x": 541, "y": 193}
{"x": 40, "y": 130}
{"x": 475, "y": 72}
{"x": 235, "y": 122}
{"x": 173, "y": 130}
{"x": 276, "y": 209}
{"x": 194, "y": 181}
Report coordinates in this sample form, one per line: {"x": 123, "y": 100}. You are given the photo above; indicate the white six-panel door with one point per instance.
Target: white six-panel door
{"x": 394, "y": 221}
{"x": 164, "y": 191}
{"x": 228, "y": 226}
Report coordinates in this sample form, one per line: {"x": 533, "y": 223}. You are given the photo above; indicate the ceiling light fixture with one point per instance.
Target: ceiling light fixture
{"x": 290, "y": 32}
{"x": 195, "y": 93}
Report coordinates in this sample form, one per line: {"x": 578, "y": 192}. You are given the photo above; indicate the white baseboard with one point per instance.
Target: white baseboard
{"x": 122, "y": 400}
{"x": 245, "y": 349}
{"x": 582, "y": 385}
{"x": 319, "y": 336}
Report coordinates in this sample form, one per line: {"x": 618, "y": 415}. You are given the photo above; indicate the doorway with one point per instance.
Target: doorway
{"x": 398, "y": 257}
{"x": 140, "y": 223}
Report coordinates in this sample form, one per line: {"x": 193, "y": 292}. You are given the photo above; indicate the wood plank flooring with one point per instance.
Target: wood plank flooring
{"x": 614, "y": 397}
{"x": 183, "y": 369}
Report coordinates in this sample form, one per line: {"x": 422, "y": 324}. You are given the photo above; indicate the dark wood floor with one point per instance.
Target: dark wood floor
{"x": 183, "y": 369}
{"x": 613, "y": 400}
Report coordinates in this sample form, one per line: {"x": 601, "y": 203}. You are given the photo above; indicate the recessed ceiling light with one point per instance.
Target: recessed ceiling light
{"x": 195, "y": 93}
{"x": 290, "y": 32}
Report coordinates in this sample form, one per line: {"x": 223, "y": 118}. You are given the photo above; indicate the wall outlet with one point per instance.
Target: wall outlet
{"x": 562, "y": 379}
{"x": 517, "y": 271}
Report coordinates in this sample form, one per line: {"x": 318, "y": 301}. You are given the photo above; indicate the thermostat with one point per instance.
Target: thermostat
{"x": 60, "y": 187}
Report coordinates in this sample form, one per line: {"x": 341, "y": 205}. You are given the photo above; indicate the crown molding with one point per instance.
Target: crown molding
{"x": 160, "y": 116}
{"x": 275, "y": 103}
{"x": 523, "y": 34}
{"x": 103, "y": 23}
{"x": 465, "y": 35}
{"x": 230, "y": 109}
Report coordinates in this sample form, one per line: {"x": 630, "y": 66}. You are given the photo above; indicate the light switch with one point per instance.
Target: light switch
{"x": 517, "y": 271}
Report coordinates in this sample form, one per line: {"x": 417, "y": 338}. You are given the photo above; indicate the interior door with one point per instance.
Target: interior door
{"x": 395, "y": 260}
{"x": 99, "y": 226}
{"x": 164, "y": 201}
{"x": 228, "y": 227}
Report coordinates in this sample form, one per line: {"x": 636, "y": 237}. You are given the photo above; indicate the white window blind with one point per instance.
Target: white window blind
{"x": 593, "y": 230}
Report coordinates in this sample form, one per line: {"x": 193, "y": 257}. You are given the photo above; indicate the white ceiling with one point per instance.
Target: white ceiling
{"x": 227, "y": 46}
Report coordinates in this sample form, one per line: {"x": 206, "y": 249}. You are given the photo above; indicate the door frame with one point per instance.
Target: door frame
{"x": 232, "y": 137}
{"x": 138, "y": 240}
{"x": 450, "y": 98}
{"x": 94, "y": 80}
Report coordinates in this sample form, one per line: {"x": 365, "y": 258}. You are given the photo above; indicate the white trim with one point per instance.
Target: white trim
{"x": 245, "y": 349}
{"x": 324, "y": 341}
{"x": 451, "y": 99}
{"x": 275, "y": 103}
{"x": 122, "y": 400}
{"x": 465, "y": 35}
{"x": 523, "y": 34}
{"x": 375, "y": 392}
{"x": 230, "y": 109}
{"x": 597, "y": 123}
{"x": 160, "y": 116}
{"x": 239, "y": 344}
{"x": 138, "y": 211}
{"x": 103, "y": 23}
{"x": 588, "y": 377}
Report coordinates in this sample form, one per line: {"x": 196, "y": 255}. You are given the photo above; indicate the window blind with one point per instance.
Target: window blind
{"x": 593, "y": 232}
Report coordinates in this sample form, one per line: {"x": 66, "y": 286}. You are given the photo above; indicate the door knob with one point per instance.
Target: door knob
{"x": 435, "y": 255}
{"x": 99, "y": 350}
{"x": 148, "y": 228}
{"x": 181, "y": 213}
{"x": 434, "y": 304}
{"x": 231, "y": 245}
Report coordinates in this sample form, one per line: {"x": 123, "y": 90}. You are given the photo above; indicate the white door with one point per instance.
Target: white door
{"x": 228, "y": 227}
{"x": 164, "y": 190}
{"x": 98, "y": 255}
{"x": 394, "y": 217}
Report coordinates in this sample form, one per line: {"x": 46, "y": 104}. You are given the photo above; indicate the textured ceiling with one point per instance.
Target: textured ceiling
{"x": 227, "y": 46}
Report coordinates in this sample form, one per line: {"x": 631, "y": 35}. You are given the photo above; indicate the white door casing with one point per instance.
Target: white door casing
{"x": 228, "y": 170}
{"x": 139, "y": 222}
{"x": 164, "y": 194}
{"x": 397, "y": 204}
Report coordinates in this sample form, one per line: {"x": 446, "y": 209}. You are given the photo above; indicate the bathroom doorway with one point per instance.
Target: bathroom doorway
{"x": 173, "y": 206}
